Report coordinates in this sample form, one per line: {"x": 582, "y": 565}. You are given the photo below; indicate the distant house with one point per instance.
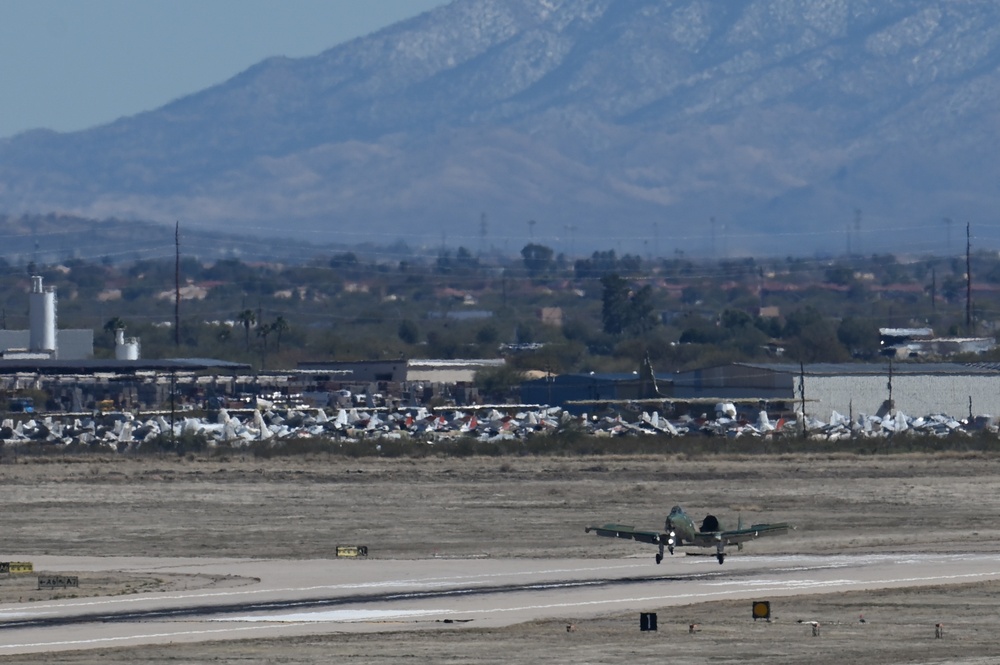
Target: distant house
{"x": 551, "y": 316}
{"x": 461, "y": 314}
{"x": 769, "y": 312}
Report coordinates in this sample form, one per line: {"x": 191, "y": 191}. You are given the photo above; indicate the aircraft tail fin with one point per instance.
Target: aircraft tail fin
{"x": 647, "y": 379}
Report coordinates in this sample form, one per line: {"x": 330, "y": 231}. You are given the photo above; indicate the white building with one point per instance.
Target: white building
{"x": 44, "y": 340}
{"x": 918, "y": 389}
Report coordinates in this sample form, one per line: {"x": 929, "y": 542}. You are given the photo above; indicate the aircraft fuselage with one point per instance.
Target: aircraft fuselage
{"x": 681, "y": 530}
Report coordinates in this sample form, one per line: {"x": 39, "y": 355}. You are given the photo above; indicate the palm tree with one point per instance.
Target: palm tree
{"x": 247, "y": 319}
{"x": 114, "y": 324}
{"x": 112, "y": 327}
{"x": 262, "y": 332}
{"x": 279, "y": 326}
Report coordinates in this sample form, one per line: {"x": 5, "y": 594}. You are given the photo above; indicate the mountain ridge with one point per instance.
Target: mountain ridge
{"x": 606, "y": 122}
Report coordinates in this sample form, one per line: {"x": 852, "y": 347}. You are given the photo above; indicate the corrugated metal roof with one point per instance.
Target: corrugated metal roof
{"x": 867, "y": 369}
{"x": 601, "y": 378}
{"x": 906, "y": 332}
{"x": 92, "y": 366}
{"x": 456, "y": 362}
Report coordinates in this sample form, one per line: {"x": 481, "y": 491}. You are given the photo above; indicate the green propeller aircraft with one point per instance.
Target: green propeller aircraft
{"x": 681, "y": 532}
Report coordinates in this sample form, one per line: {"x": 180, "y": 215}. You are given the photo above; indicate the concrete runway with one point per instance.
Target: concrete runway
{"x": 323, "y": 596}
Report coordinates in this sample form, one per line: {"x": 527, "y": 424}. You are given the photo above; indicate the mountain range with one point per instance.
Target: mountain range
{"x": 696, "y": 126}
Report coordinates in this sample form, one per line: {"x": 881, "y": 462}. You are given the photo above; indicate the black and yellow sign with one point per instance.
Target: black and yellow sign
{"x": 56, "y": 581}
{"x": 762, "y": 610}
{"x": 352, "y": 551}
{"x": 7, "y": 567}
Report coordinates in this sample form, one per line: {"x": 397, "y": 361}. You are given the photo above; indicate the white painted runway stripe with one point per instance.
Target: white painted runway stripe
{"x": 338, "y": 616}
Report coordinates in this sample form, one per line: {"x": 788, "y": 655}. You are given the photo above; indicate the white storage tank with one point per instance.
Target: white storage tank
{"x": 126, "y": 348}
{"x": 42, "y": 317}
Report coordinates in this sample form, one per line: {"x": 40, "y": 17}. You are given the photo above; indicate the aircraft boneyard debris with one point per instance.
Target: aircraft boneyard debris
{"x": 125, "y": 431}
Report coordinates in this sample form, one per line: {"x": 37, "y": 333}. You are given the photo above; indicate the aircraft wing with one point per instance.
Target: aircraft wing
{"x": 753, "y": 532}
{"x": 626, "y": 532}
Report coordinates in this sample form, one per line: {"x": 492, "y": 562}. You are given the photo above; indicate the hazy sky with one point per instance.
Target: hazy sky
{"x": 71, "y": 64}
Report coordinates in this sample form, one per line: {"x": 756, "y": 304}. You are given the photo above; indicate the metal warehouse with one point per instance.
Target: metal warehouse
{"x": 565, "y": 389}
{"x": 914, "y": 388}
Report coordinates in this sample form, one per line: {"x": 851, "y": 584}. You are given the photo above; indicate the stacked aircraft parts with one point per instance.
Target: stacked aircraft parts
{"x": 124, "y": 432}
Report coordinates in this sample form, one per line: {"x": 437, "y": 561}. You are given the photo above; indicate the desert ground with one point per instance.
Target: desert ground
{"x": 532, "y": 506}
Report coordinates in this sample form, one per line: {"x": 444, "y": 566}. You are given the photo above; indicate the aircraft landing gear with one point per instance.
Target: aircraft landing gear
{"x": 659, "y": 555}
{"x": 720, "y": 553}
{"x": 721, "y": 557}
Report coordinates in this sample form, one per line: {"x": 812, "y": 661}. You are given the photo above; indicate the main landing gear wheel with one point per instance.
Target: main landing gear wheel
{"x": 721, "y": 557}
{"x": 659, "y": 559}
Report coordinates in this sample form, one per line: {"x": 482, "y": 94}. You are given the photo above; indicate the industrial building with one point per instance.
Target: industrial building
{"x": 79, "y": 385}
{"x": 403, "y": 381}
{"x": 908, "y": 343}
{"x": 43, "y": 339}
{"x": 915, "y": 389}
{"x": 577, "y": 392}
{"x": 404, "y": 371}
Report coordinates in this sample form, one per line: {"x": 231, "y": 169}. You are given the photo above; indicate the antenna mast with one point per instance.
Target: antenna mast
{"x": 968, "y": 279}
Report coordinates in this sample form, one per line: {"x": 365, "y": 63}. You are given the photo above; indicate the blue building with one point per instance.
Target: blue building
{"x": 564, "y": 389}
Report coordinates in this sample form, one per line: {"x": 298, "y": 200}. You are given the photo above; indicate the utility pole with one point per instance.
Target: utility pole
{"x": 173, "y": 407}
{"x": 571, "y": 228}
{"x": 933, "y": 290}
{"x": 802, "y": 395}
{"x": 857, "y": 231}
{"x": 711, "y": 221}
{"x": 968, "y": 280}
{"x": 891, "y": 405}
{"x": 177, "y": 284}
